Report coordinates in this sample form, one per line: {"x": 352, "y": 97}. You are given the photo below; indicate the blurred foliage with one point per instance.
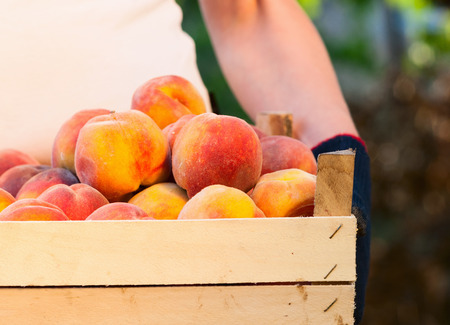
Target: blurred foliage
{"x": 347, "y": 39}
{"x": 408, "y": 4}
{"x": 311, "y": 7}
{"x": 392, "y": 59}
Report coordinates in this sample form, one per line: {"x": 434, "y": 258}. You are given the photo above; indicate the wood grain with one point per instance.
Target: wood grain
{"x": 225, "y": 271}
{"x": 334, "y": 188}
{"x": 176, "y": 252}
{"x": 264, "y": 304}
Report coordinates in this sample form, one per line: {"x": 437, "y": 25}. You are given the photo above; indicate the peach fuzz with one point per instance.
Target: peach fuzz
{"x": 12, "y": 157}
{"x": 63, "y": 150}
{"x": 219, "y": 202}
{"x": 167, "y": 98}
{"x": 77, "y": 201}
{"x": 171, "y": 131}
{"x": 285, "y": 193}
{"x": 119, "y": 152}
{"x": 282, "y": 152}
{"x": 13, "y": 179}
{"x": 162, "y": 201}
{"x": 5, "y": 199}
{"x": 216, "y": 149}
{"x": 32, "y": 210}
{"x": 118, "y": 211}
{"x": 37, "y": 184}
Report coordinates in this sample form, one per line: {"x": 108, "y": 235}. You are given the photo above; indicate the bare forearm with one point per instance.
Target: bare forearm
{"x": 274, "y": 59}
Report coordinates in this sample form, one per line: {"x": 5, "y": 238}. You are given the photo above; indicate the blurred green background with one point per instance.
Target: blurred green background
{"x": 393, "y": 62}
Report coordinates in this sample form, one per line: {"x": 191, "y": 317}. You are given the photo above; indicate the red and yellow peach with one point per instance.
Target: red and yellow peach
{"x": 216, "y": 149}
{"x": 167, "y": 98}
{"x": 285, "y": 193}
{"x": 77, "y": 201}
{"x": 219, "y": 202}
{"x": 162, "y": 201}
{"x": 282, "y": 152}
{"x": 63, "y": 150}
{"x": 13, "y": 179}
{"x": 118, "y": 211}
{"x": 45, "y": 179}
{"x": 32, "y": 210}
{"x": 11, "y": 157}
{"x": 118, "y": 152}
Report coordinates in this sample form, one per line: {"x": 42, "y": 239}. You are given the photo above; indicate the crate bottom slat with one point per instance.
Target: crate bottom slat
{"x": 231, "y": 304}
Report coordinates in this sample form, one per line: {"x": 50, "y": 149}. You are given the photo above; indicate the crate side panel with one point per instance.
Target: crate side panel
{"x": 231, "y": 304}
{"x": 177, "y": 252}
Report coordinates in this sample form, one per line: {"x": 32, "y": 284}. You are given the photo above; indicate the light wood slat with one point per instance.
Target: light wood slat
{"x": 177, "y": 252}
{"x": 334, "y": 188}
{"x": 322, "y": 304}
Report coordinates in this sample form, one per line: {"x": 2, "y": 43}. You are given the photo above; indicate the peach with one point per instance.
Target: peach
{"x": 14, "y": 178}
{"x": 171, "y": 131}
{"x": 216, "y": 149}
{"x": 119, "y": 211}
{"x": 77, "y": 201}
{"x": 167, "y": 98}
{"x": 282, "y": 152}
{"x": 118, "y": 152}
{"x": 5, "y": 199}
{"x": 32, "y": 210}
{"x": 220, "y": 201}
{"x": 285, "y": 193}
{"x": 161, "y": 201}
{"x": 63, "y": 150}
{"x": 12, "y": 157}
{"x": 43, "y": 180}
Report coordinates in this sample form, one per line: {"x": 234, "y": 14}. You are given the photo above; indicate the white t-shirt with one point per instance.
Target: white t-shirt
{"x": 58, "y": 57}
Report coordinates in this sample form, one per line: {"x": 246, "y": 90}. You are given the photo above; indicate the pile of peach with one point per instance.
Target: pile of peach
{"x": 164, "y": 158}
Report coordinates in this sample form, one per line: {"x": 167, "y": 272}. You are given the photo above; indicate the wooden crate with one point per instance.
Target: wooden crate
{"x": 229, "y": 271}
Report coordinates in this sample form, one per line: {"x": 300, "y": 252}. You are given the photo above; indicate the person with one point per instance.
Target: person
{"x": 59, "y": 57}
{"x": 273, "y": 58}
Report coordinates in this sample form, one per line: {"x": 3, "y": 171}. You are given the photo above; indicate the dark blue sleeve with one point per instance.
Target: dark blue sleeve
{"x": 361, "y": 208}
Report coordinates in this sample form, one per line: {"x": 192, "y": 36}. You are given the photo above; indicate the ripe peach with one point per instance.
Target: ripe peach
{"x": 282, "y": 152}
{"x": 118, "y": 152}
{"x": 220, "y": 201}
{"x": 165, "y": 99}
{"x": 12, "y": 157}
{"x": 161, "y": 201}
{"x": 216, "y": 149}
{"x": 45, "y": 179}
{"x": 285, "y": 193}
{"x": 77, "y": 201}
{"x": 32, "y": 210}
{"x": 5, "y": 199}
{"x": 14, "y": 178}
{"x": 63, "y": 150}
{"x": 118, "y": 211}
{"x": 171, "y": 131}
